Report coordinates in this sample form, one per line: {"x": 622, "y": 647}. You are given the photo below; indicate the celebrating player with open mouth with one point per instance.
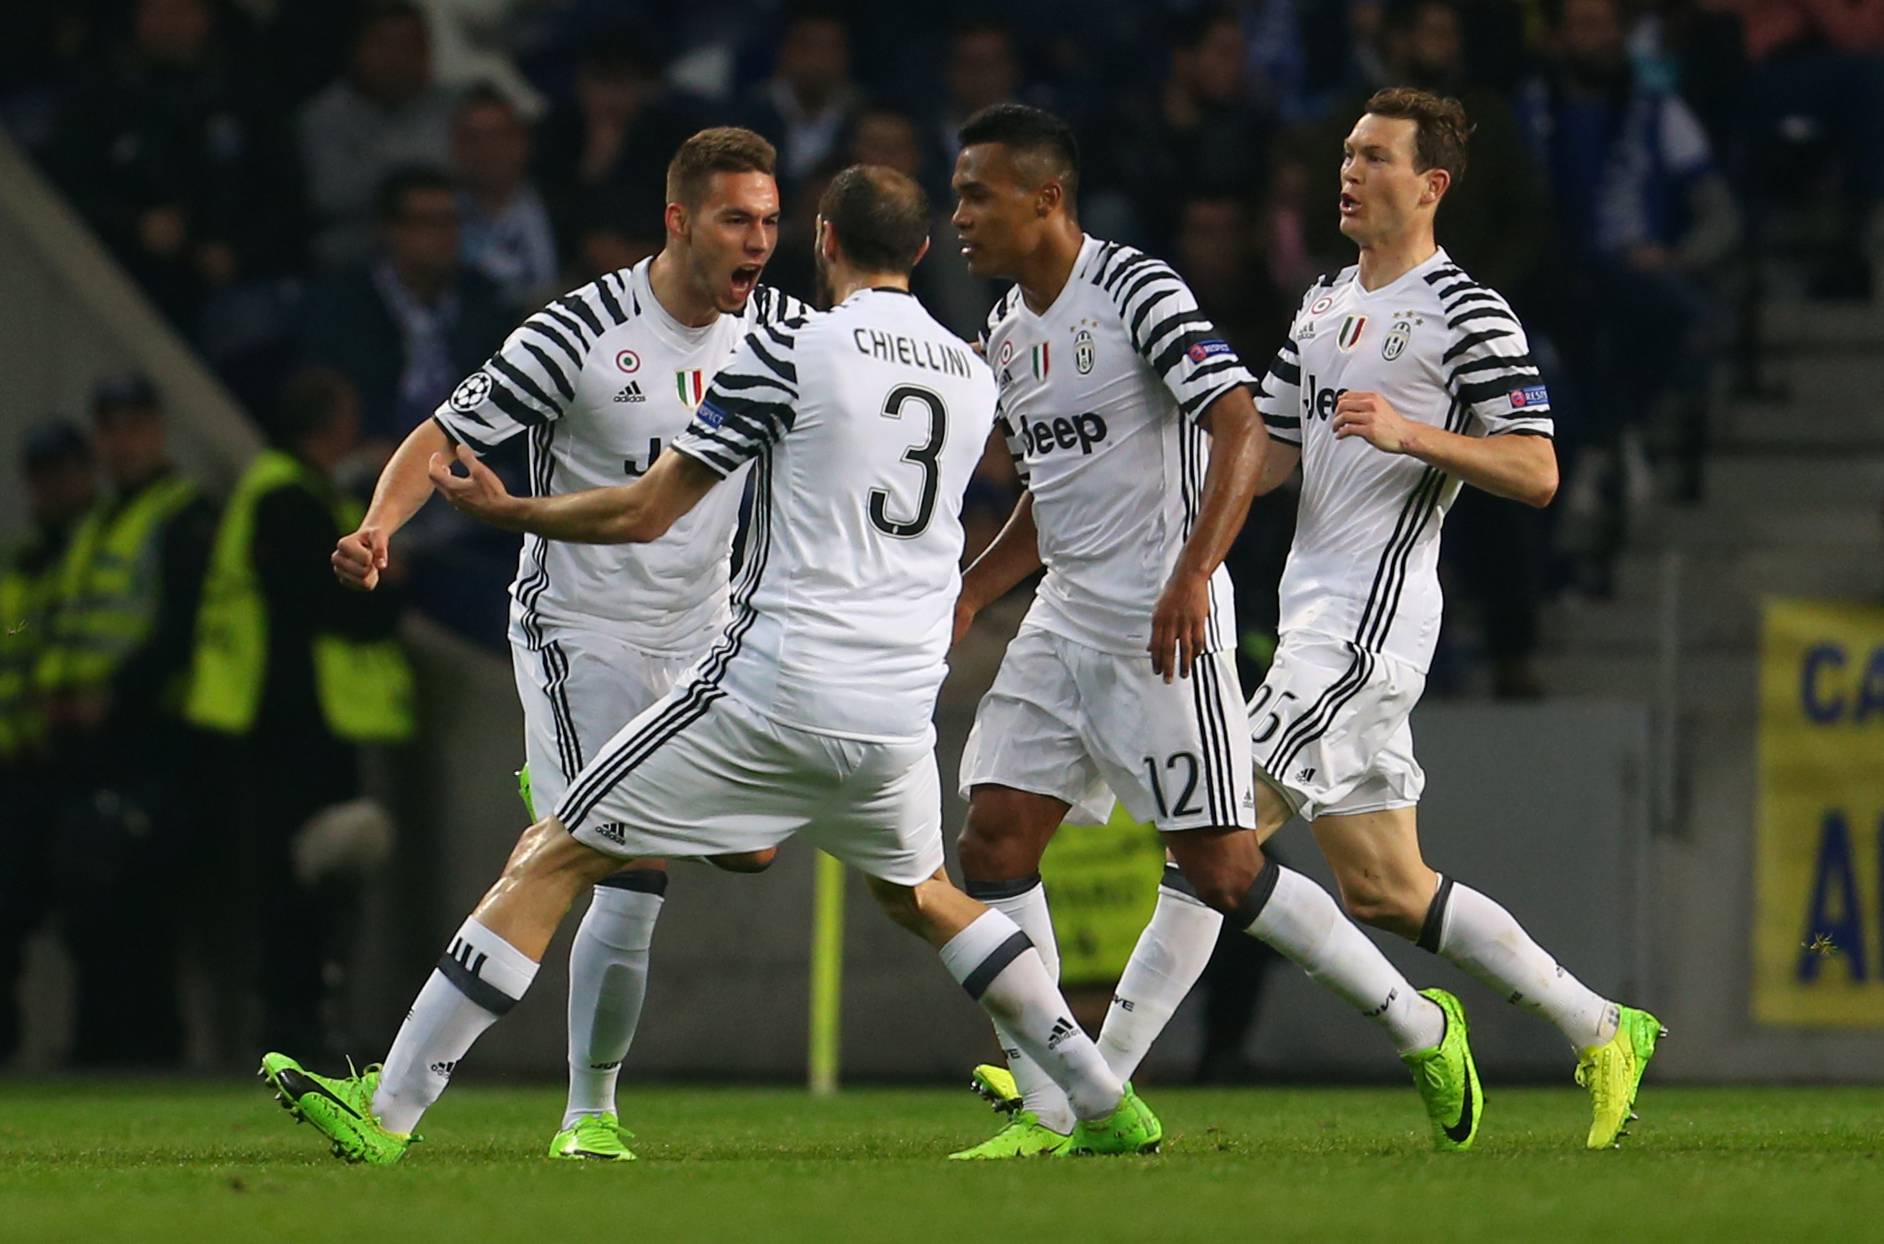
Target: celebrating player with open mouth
{"x": 602, "y": 379}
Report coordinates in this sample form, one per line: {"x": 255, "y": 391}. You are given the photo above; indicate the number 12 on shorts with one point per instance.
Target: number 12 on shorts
{"x": 1186, "y": 804}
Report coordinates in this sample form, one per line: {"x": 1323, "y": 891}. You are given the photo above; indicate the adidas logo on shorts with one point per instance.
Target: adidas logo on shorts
{"x": 614, "y": 831}
{"x": 631, "y": 392}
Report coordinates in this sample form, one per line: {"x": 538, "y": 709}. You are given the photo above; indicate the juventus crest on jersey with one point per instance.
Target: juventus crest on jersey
{"x": 603, "y": 379}
{"x": 1100, "y": 397}
{"x": 865, "y": 424}
{"x": 1443, "y": 350}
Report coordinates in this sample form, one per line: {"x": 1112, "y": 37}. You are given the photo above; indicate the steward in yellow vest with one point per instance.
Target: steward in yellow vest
{"x": 295, "y": 674}
{"x": 60, "y": 485}
{"x": 112, "y": 677}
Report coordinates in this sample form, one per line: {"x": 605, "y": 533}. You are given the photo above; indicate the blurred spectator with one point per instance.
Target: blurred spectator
{"x": 299, "y": 673}
{"x": 60, "y": 486}
{"x": 807, "y": 106}
{"x": 1199, "y": 133}
{"x": 1820, "y": 63}
{"x": 384, "y": 113}
{"x": 113, "y": 674}
{"x": 505, "y": 227}
{"x": 1646, "y": 216}
{"x": 173, "y": 162}
{"x": 601, "y": 162}
{"x": 468, "y": 49}
{"x": 1216, "y": 250}
{"x": 983, "y": 68}
{"x": 406, "y": 324}
{"x": 1496, "y": 222}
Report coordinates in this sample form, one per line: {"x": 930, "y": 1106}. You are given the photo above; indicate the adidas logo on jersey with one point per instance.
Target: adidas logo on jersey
{"x": 631, "y": 392}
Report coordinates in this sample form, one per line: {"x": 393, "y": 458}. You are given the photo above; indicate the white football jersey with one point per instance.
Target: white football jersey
{"x": 864, "y": 423}
{"x": 603, "y": 378}
{"x": 1442, "y": 350}
{"x": 1100, "y": 397}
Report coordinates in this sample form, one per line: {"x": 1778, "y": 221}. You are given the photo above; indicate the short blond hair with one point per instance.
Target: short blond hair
{"x": 722, "y": 149}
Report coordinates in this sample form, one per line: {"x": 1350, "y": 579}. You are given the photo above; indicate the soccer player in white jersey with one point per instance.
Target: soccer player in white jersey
{"x": 1134, "y": 429}
{"x": 1402, "y": 379}
{"x": 813, "y": 713}
{"x": 602, "y": 379}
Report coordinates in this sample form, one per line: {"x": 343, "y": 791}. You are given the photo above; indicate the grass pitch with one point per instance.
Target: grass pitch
{"x": 87, "y": 1160}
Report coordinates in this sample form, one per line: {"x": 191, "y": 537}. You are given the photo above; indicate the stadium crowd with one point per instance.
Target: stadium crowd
{"x": 346, "y": 206}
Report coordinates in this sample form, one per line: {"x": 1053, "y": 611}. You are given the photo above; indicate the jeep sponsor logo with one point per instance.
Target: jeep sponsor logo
{"x": 1317, "y": 402}
{"x": 1044, "y": 436}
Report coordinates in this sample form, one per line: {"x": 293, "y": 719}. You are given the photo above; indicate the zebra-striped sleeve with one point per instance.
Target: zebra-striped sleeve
{"x": 1279, "y": 396}
{"x": 1178, "y": 341}
{"x": 1016, "y": 447}
{"x": 531, "y": 379}
{"x": 1487, "y": 362}
{"x": 752, "y": 403}
{"x": 774, "y": 306}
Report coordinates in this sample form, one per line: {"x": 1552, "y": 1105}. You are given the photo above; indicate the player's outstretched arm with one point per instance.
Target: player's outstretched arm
{"x": 627, "y": 514}
{"x": 402, "y": 489}
{"x": 1239, "y": 446}
{"x": 1013, "y": 555}
{"x": 1522, "y": 468}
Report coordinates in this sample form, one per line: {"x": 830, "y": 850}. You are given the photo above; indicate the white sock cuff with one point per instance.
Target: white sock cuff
{"x": 627, "y": 906}
{"x": 486, "y": 968}
{"x": 982, "y": 951}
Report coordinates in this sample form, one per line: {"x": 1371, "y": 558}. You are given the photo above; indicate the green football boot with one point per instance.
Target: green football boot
{"x": 1132, "y": 1128}
{"x": 1447, "y": 1079}
{"x": 995, "y": 1085}
{"x": 339, "y": 1107}
{"x": 593, "y": 1138}
{"x": 1612, "y": 1072}
{"x": 1023, "y": 1136}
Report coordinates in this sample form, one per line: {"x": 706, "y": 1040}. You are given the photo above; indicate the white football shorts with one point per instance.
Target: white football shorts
{"x": 1329, "y": 728}
{"x": 578, "y": 687}
{"x": 1080, "y": 725}
{"x": 701, "y": 773}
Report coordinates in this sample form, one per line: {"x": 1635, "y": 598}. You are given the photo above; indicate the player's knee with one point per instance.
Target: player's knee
{"x": 1392, "y": 908}
{"x": 901, "y": 903}
{"x": 995, "y": 843}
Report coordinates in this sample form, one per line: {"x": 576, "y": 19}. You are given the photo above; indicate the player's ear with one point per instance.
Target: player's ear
{"x": 1438, "y": 181}
{"x": 676, "y": 220}
{"x": 1047, "y": 198}
{"x": 825, "y": 239}
{"x": 920, "y": 252}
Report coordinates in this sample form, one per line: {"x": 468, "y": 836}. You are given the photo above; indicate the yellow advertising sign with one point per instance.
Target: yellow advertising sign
{"x": 1818, "y": 954}
{"x": 1102, "y": 883}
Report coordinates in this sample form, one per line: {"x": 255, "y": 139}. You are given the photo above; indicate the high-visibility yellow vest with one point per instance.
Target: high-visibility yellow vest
{"x": 110, "y": 585}
{"x": 25, "y": 606}
{"x": 364, "y": 686}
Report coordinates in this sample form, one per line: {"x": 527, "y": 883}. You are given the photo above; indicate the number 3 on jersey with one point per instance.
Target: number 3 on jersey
{"x": 923, "y": 456}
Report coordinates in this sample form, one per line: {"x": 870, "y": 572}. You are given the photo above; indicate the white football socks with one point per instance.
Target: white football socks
{"x": 1025, "y": 903}
{"x": 1482, "y": 937}
{"x": 478, "y": 978}
{"x": 1302, "y": 921}
{"x": 608, "y": 982}
{"x": 994, "y": 962}
{"x": 1171, "y": 954}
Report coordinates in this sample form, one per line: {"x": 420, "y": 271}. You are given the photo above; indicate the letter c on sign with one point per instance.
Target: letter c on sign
{"x": 1822, "y": 711}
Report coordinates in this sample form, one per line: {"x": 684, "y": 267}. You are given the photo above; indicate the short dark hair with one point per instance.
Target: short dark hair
{"x": 486, "y": 95}
{"x": 881, "y": 217}
{"x": 308, "y": 401}
{"x": 722, "y": 149}
{"x": 372, "y": 14}
{"x": 1028, "y": 131}
{"x": 1442, "y": 130}
{"x": 389, "y": 201}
